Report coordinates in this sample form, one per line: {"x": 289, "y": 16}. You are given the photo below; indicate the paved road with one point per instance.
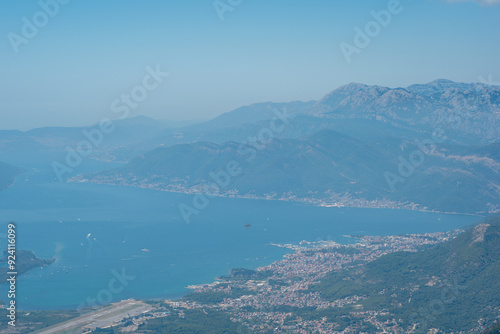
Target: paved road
{"x": 103, "y": 317}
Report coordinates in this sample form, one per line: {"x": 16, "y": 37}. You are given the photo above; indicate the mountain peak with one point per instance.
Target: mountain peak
{"x": 441, "y": 82}
{"x": 352, "y": 88}
{"x": 354, "y": 85}
{"x": 438, "y": 85}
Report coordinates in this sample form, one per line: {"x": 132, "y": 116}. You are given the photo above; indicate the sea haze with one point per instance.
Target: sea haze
{"x": 93, "y": 229}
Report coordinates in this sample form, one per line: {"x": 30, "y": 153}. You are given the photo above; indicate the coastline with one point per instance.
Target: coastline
{"x": 344, "y": 202}
{"x": 266, "y": 296}
{"x": 253, "y": 297}
{"x": 210, "y": 279}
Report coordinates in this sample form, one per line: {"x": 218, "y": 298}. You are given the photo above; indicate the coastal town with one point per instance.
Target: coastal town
{"x": 276, "y": 298}
{"x": 177, "y": 185}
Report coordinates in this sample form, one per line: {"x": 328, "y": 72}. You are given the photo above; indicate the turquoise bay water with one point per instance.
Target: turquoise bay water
{"x": 93, "y": 229}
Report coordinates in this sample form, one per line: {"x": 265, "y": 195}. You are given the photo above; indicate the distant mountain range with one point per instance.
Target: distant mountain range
{"x": 358, "y": 146}
{"x": 328, "y": 167}
{"x": 451, "y": 286}
{"x": 470, "y": 111}
{"x": 424, "y": 146}
{"x": 126, "y": 132}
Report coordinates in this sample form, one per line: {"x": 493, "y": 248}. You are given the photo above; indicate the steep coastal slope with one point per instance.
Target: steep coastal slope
{"x": 8, "y": 174}
{"x": 450, "y": 286}
{"x": 328, "y": 167}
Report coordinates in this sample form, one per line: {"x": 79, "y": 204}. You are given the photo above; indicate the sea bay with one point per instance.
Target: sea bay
{"x": 95, "y": 231}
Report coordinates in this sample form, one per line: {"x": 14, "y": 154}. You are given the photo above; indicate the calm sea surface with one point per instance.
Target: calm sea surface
{"x": 92, "y": 230}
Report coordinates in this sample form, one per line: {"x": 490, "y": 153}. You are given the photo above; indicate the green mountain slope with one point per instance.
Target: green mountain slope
{"x": 328, "y": 166}
{"x": 450, "y": 286}
{"x": 328, "y": 160}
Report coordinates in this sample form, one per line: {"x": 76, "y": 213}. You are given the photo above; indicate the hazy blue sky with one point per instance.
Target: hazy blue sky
{"x": 91, "y": 52}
